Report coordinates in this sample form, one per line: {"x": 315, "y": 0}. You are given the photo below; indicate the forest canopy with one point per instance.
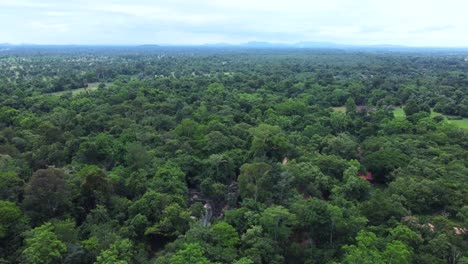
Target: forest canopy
{"x": 233, "y": 155}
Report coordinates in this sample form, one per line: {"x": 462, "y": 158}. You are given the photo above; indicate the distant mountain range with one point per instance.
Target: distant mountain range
{"x": 322, "y": 45}
{"x": 264, "y": 44}
{"x": 255, "y": 44}
{"x": 309, "y": 44}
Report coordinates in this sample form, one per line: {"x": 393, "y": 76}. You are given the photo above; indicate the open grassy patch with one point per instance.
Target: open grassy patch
{"x": 462, "y": 123}
{"x": 91, "y": 87}
{"x": 399, "y": 113}
{"x": 340, "y": 109}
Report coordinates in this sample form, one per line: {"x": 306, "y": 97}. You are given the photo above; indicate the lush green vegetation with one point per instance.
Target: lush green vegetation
{"x": 197, "y": 155}
{"x": 88, "y": 88}
{"x": 463, "y": 123}
{"x": 399, "y": 113}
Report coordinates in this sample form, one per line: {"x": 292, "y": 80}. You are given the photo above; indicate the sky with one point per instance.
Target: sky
{"x": 183, "y": 22}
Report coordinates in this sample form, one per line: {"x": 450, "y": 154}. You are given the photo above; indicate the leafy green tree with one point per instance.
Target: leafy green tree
{"x": 353, "y": 188}
{"x": 170, "y": 179}
{"x": 12, "y": 224}
{"x": 95, "y": 187}
{"x": 213, "y": 190}
{"x": 278, "y": 222}
{"x": 463, "y": 108}
{"x": 244, "y": 260}
{"x": 138, "y": 225}
{"x": 225, "y": 242}
{"x": 382, "y": 207}
{"x": 188, "y": 128}
{"x": 238, "y": 218}
{"x": 383, "y": 161}
{"x": 49, "y": 132}
{"x": 331, "y": 165}
{"x": 66, "y": 230}
{"x": 46, "y": 194}
{"x": 192, "y": 253}
{"x": 366, "y": 250}
{"x": 136, "y": 184}
{"x": 308, "y": 179}
{"x": 283, "y": 187}
{"x": 397, "y": 252}
{"x": 463, "y": 215}
{"x": 443, "y": 249}
{"x": 269, "y": 141}
{"x": 10, "y": 186}
{"x": 406, "y": 235}
{"x": 254, "y": 179}
{"x": 350, "y": 106}
{"x": 291, "y": 107}
{"x": 152, "y": 204}
{"x": 174, "y": 222}
{"x": 76, "y": 254}
{"x": 421, "y": 195}
{"x": 136, "y": 156}
{"x": 215, "y": 95}
{"x": 8, "y": 115}
{"x": 221, "y": 167}
{"x": 216, "y": 142}
{"x": 121, "y": 252}
{"x": 343, "y": 145}
{"x": 411, "y": 107}
{"x": 260, "y": 248}
{"x": 220, "y": 241}
{"x": 339, "y": 122}
{"x": 100, "y": 150}
{"x": 397, "y": 126}
{"x": 327, "y": 224}
{"x": 43, "y": 246}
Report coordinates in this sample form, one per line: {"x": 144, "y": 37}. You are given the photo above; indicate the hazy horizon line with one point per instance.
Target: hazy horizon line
{"x": 300, "y": 44}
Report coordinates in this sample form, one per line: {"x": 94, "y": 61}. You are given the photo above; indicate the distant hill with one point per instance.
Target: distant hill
{"x": 310, "y": 45}
{"x": 218, "y": 45}
{"x": 263, "y": 44}
{"x": 248, "y": 45}
{"x": 319, "y": 44}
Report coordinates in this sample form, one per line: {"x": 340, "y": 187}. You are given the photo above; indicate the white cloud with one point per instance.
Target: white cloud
{"x": 49, "y": 28}
{"x": 407, "y": 22}
{"x": 23, "y": 3}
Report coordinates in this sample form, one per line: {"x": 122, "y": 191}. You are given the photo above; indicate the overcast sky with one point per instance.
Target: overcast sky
{"x": 403, "y": 22}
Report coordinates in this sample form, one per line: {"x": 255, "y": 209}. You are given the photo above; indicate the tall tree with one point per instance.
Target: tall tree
{"x": 46, "y": 194}
{"x": 121, "y": 252}
{"x": 193, "y": 253}
{"x": 254, "y": 178}
{"x": 278, "y": 222}
{"x": 270, "y": 141}
{"x": 43, "y": 246}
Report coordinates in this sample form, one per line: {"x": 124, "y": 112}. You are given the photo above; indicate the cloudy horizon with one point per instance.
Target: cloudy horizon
{"x": 182, "y": 22}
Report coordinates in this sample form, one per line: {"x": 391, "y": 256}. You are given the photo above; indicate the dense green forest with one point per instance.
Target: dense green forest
{"x": 233, "y": 155}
